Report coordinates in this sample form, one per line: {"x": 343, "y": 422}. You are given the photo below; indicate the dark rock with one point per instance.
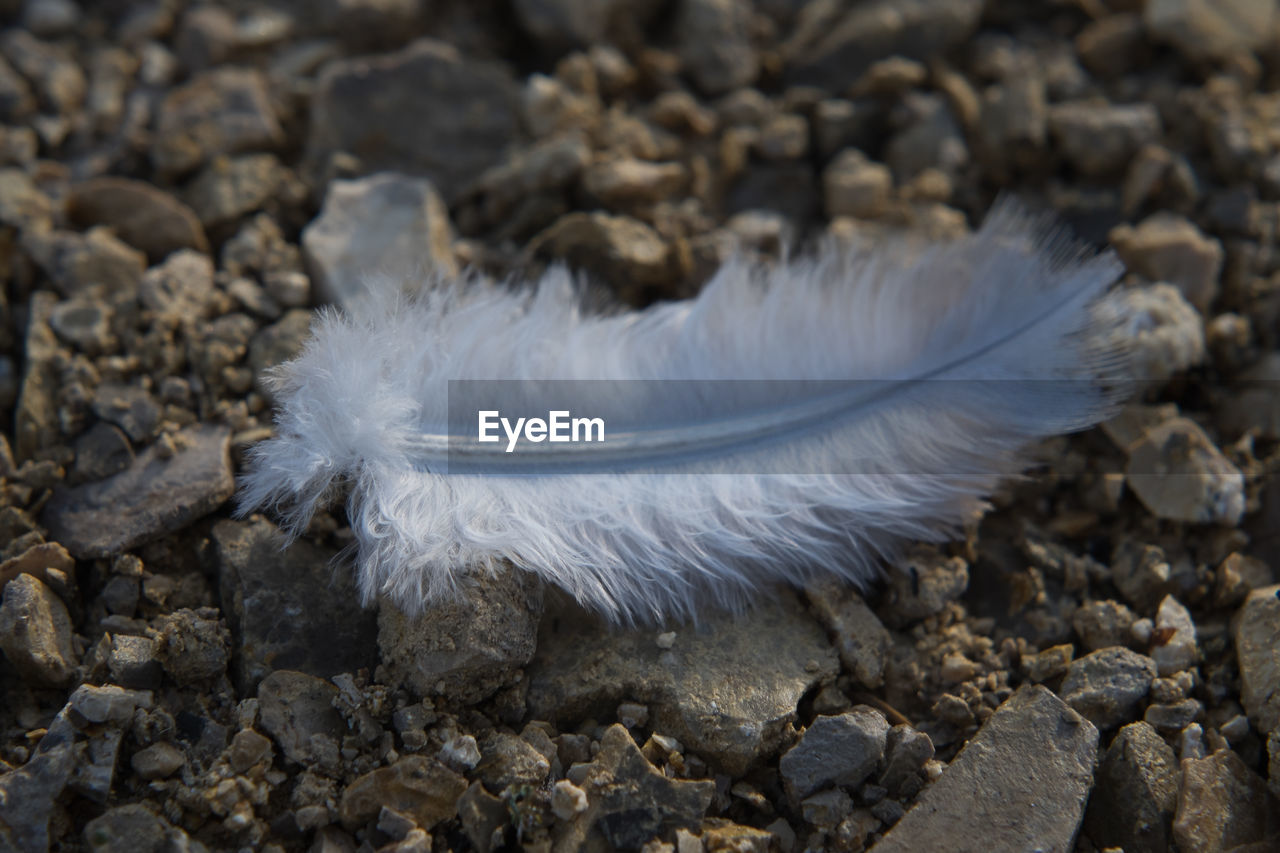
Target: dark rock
{"x": 1204, "y": 31}
{"x": 16, "y": 98}
{"x": 224, "y": 111}
{"x": 132, "y": 662}
{"x": 426, "y": 110}
{"x": 421, "y": 788}
{"x": 465, "y": 649}
{"x": 1020, "y": 784}
{"x": 247, "y": 749}
{"x": 1107, "y": 686}
{"x": 28, "y": 795}
{"x": 394, "y": 224}
{"x": 35, "y": 633}
{"x": 482, "y": 815}
{"x": 152, "y": 497}
{"x": 1100, "y": 139}
{"x": 286, "y": 606}
{"x": 192, "y": 645}
{"x": 788, "y": 188}
{"x": 833, "y": 43}
{"x": 906, "y": 752}
{"x": 705, "y": 687}
{"x": 297, "y": 710}
{"x": 1223, "y": 805}
{"x": 560, "y": 25}
{"x": 101, "y": 452}
{"x": 714, "y": 43}
{"x": 129, "y": 407}
{"x": 134, "y": 829}
{"x": 841, "y": 751}
{"x": 1136, "y": 791}
{"x": 57, "y": 78}
{"x": 277, "y": 343}
{"x": 630, "y": 801}
{"x": 507, "y": 760}
{"x": 36, "y": 418}
{"x": 930, "y": 138}
{"x": 141, "y": 215}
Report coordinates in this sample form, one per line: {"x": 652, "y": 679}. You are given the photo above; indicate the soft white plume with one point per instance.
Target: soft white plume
{"x": 979, "y": 346}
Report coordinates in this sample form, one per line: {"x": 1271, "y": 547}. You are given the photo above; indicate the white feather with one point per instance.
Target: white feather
{"x": 1012, "y": 310}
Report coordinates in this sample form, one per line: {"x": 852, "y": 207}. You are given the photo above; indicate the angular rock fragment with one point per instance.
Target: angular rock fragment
{"x": 1256, "y": 630}
{"x": 1179, "y": 651}
{"x": 383, "y": 225}
{"x": 1136, "y": 791}
{"x": 287, "y": 607}
{"x": 1223, "y": 805}
{"x": 425, "y": 110}
{"x": 841, "y": 751}
{"x": 714, "y": 43}
{"x": 861, "y": 639}
{"x": 154, "y": 496}
{"x": 1178, "y": 474}
{"x": 297, "y": 710}
{"x": 224, "y": 111}
{"x": 1166, "y": 247}
{"x": 706, "y": 689}
{"x": 833, "y": 44}
{"x": 422, "y": 788}
{"x": 134, "y": 828}
{"x": 1020, "y": 784}
{"x": 629, "y": 801}
{"x": 191, "y": 645}
{"x": 36, "y": 418}
{"x": 1212, "y": 30}
{"x": 1106, "y": 686}
{"x": 618, "y": 250}
{"x": 35, "y": 633}
{"x": 465, "y": 649}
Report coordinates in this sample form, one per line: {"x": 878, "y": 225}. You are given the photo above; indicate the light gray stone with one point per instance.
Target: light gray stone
{"x": 387, "y": 229}
{"x": 841, "y": 751}
{"x": 1178, "y": 474}
{"x": 1207, "y": 30}
{"x": 35, "y": 633}
{"x": 1020, "y": 784}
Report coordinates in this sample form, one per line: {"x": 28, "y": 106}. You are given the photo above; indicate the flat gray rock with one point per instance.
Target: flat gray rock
{"x": 841, "y": 750}
{"x": 1020, "y": 784}
{"x": 288, "y": 608}
{"x": 727, "y": 691}
{"x": 150, "y": 498}
{"x": 425, "y": 110}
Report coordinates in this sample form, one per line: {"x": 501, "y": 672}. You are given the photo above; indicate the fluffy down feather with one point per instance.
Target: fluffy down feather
{"x": 980, "y": 346}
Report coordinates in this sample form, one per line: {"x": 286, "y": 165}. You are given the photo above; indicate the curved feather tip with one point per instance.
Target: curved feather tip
{"x": 937, "y": 365}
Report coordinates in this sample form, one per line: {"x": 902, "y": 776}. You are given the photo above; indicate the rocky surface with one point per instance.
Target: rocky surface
{"x": 183, "y": 184}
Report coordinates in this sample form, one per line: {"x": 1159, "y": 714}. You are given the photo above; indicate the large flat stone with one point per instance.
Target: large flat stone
{"x": 727, "y": 690}
{"x": 1020, "y": 784}
{"x": 425, "y": 110}
{"x": 288, "y": 608}
{"x": 153, "y": 496}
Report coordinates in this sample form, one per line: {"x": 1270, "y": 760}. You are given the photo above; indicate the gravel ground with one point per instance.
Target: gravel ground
{"x": 1097, "y": 665}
